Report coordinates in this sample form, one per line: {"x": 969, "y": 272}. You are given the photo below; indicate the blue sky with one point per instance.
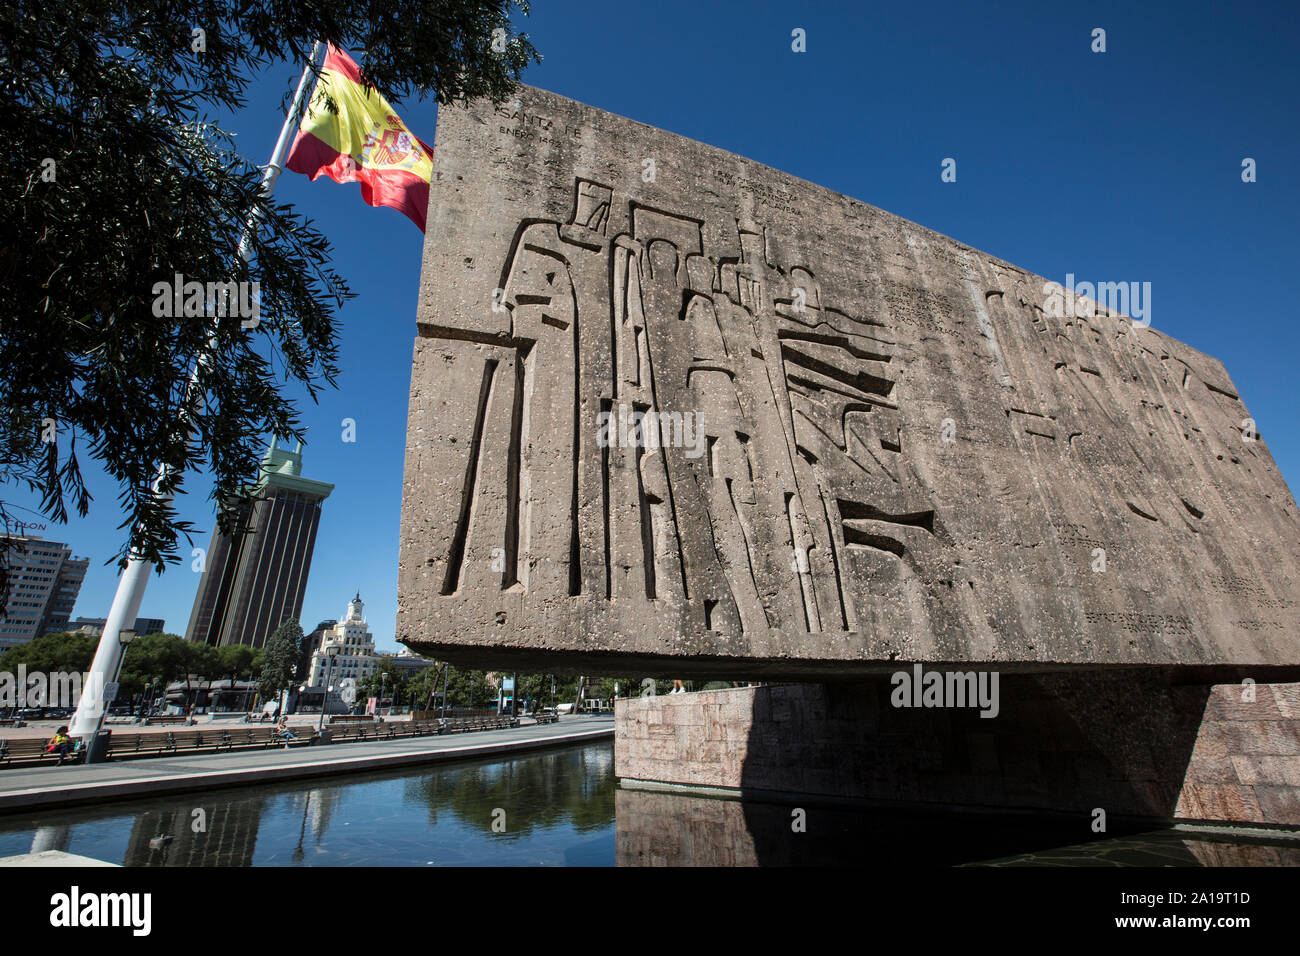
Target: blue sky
{"x": 1123, "y": 165}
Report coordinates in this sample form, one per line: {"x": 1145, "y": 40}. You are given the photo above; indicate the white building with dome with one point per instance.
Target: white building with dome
{"x": 352, "y": 647}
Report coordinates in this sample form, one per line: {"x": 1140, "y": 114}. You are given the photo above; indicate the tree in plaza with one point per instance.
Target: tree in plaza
{"x": 386, "y": 680}
{"x": 234, "y": 661}
{"x": 603, "y": 688}
{"x": 117, "y": 180}
{"x": 280, "y": 660}
{"x": 161, "y": 659}
{"x": 201, "y": 662}
{"x": 470, "y": 688}
{"x": 465, "y": 688}
{"x": 154, "y": 659}
{"x": 49, "y": 655}
{"x": 53, "y": 653}
{"x": 422, "y": 685}
{"x": 536, "y": 688}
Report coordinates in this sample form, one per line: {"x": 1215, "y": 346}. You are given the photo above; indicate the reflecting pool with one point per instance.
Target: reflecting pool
{"x": 563, "y": 807}
{"x": 548, "y": 808}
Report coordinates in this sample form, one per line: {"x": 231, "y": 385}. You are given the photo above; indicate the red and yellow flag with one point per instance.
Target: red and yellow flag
{"x": 365, "y": 142}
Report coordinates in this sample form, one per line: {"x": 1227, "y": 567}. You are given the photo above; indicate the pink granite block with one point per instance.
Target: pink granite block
{"x": 1225, "y": 802}
{"x": 1266, "y": 770}
{"x": 1279, "y": 804}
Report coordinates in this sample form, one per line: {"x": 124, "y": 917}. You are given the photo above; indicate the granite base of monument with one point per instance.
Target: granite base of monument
{"x": 1136, "y": 744}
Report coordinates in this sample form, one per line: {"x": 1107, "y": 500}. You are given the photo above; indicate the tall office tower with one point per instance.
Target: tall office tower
{"x": 254, "y": 579}
{"x": 45, "y": 581}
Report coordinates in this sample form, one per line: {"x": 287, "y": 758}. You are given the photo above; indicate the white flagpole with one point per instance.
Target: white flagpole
{"x": 131, "y": 586}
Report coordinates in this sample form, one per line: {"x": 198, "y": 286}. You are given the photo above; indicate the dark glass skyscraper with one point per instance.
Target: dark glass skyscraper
{"x": 254, "y": 580}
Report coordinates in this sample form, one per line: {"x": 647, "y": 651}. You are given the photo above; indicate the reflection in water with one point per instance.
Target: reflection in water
{"x": 578, "y": 791}
{"x": 557, "y": 809}
{"x": 168, "y": 837}
{"x": 674, "y": 829}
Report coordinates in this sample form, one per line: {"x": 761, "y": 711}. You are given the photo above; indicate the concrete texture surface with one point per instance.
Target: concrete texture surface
{"x": 870, "y": 443}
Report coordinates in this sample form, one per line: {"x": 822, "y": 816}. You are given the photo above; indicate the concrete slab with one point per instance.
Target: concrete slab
{"x": 675, "y": 412}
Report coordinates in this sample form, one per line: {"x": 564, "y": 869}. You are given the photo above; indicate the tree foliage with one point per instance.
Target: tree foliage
{"x": 386, "y": 680}
{"x": 116, "y": 178}
{"x": 238, "y": 660}
{"x": 153, "y": 658}
{"x": 464, "y": 688}
{"x": 53, "y": 653}
{"x": 282, "y": 655}
{"x": 162, "y": 658}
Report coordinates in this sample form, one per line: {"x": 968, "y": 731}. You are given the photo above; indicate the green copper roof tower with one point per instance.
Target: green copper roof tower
{"x": 255, "y": 579}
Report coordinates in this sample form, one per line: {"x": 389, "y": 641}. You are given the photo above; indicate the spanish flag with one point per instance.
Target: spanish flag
{"x": 365, "y": 142}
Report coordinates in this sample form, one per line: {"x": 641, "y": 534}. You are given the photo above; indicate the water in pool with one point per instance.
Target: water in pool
{"x": 564, "y": 807}
{"x": 553, "y": 808}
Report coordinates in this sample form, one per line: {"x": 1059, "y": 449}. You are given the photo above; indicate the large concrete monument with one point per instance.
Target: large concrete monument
{"x": 674, "y": 411}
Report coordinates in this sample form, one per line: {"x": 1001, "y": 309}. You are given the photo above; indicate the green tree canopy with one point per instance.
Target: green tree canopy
{"x": 281, "y": 657}
{"x": 465, "y": 688}
{"x": 238, "y": 660}
{"x": 52, "y": 653}
{"x": 164, "y": 658}
{"x": 116, "y": 178}
{"x": 386, "y": 680}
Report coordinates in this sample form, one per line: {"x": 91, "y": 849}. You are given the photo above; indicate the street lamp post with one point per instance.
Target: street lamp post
{"x": 331, "y": 652}
{"x": 124, "y": 637}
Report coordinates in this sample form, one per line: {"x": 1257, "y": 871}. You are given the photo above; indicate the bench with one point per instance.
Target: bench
{"x": 546, "y": 718}
{"x": 352, "y": 731}
{"x": 461, "y": 725}
{"x": 12, "y": 722}
{"x": 123, "y": 746}
{"x": 302, "y": 736}
{"x": 349, "y": 731}
{"x": 166, "y": 720}
{"x": 31, "y": 750}
{"x": 212, "y": 740}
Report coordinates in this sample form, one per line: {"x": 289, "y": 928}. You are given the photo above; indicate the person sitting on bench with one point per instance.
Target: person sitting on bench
{"x": 283, "y": 732}
{"x": 60, "y": 744}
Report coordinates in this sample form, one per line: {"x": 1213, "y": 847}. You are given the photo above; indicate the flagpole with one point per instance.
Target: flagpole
{"x": 131, "y": 586}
